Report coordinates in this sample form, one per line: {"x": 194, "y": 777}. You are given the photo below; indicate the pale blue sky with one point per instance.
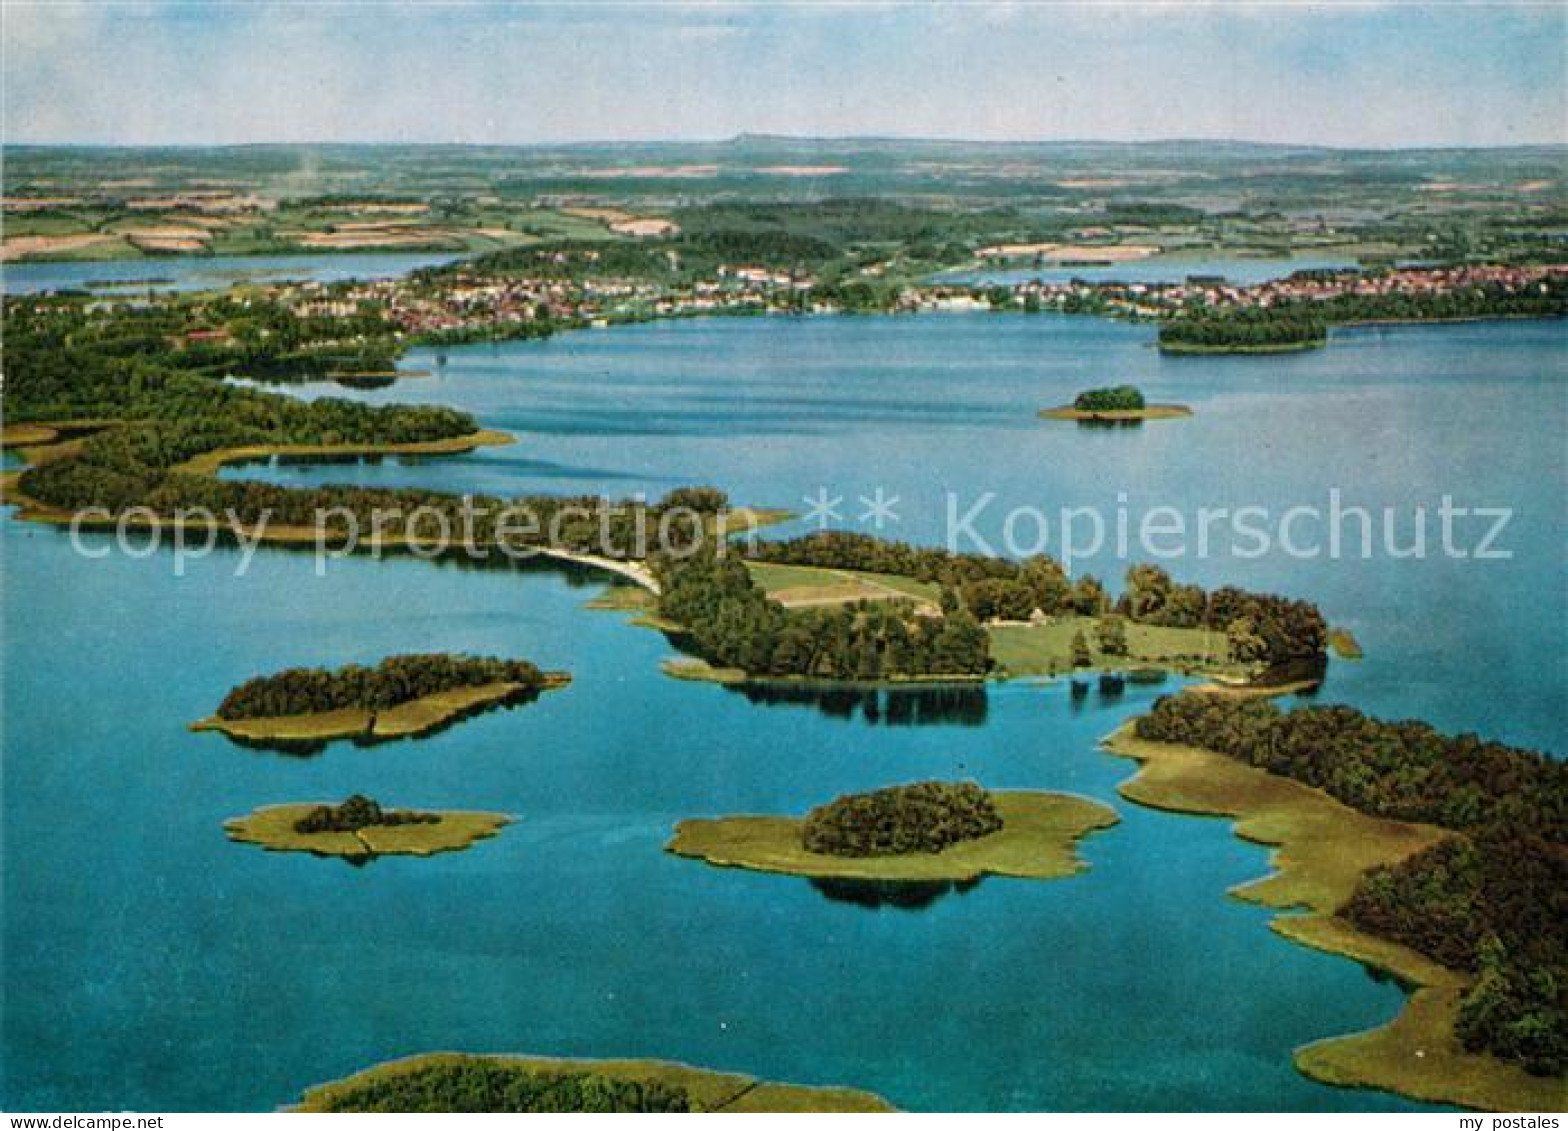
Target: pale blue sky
{"x": 1341, "y": 74}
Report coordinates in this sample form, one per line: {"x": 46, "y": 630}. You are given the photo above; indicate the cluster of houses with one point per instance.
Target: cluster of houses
{"x": 471, "y": 303}
{"x": 1156, "y": 300}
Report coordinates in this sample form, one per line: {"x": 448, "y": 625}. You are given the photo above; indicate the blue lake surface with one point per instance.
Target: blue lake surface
{"x": 1156, "y": 269}
{"x": 149, "y": 963}
{"x": 198, "y": 273}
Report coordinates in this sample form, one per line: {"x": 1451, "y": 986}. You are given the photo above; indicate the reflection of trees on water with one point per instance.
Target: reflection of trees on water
{"x": 905, "y": 895}
{"x": 941, "y": 705}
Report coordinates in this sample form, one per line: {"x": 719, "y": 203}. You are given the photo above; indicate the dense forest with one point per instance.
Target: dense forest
{"x": 357, "y": 813}
{"x": 1493, "y": 901}
{"x": 924, "y": 817}
{"x": 396, "y": 679}
{"x": 1243, "y": 328}
{"x": 476, "y": 1084}
{"x": 1495, "y": 905}
{"x": 729, "y": 621}
{"x": 1115, "y": 398}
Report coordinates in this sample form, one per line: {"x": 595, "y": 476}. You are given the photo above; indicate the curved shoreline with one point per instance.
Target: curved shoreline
{"x": 1038, "y": 841}
{"x": 1321, "y": 848}
{"x": 708, "y": 1090}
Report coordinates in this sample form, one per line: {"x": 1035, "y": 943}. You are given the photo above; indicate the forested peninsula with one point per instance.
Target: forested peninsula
{"x": 1459, "y": 880}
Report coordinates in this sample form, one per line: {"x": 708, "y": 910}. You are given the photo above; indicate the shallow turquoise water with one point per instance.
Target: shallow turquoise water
{"x": 151, "y": 964}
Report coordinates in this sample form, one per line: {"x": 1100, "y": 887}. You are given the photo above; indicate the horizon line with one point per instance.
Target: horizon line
{"x": 733, "y": 139}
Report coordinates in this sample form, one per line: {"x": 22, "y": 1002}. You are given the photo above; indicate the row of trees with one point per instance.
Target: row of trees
{"x": 396, "y": 679}
{"x": 1493, "y": 901}
{"x": 834, "y": 549}
{"x": 476, "y": 1084}
{"x": 923, "y": 817}
{"x": 730, "y": 622}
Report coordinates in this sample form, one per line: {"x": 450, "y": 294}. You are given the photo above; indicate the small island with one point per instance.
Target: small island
{"x": 924, "y": 832}
{"x": 408, "y": 696}
{"x": 1117, "y": 404}
{"x": 460, "y": 1082}
{"x": 360, "y": 829}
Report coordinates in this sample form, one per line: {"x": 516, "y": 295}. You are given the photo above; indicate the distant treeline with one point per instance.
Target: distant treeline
{"x": 475, "y": 1084}
{"x": 396, "y": 679}
{"x": 1306, "y": 322}
{"x": 730, "y": 622}
{"x": 923, "y": 817}
{"x": 1260, "y": 627}
{"x": 1493, "y": 902}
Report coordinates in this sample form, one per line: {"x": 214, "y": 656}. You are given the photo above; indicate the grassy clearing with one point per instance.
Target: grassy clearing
{"x": 1321, "y": 850}
{"x": 700, "y": 671}
{"x": 1047, "y": 649}
{"x": 1037, "y": 841}
{"x": 708, "y": 1091}
{"x": 794, "y": 584}
{"x": 273, "y": 829}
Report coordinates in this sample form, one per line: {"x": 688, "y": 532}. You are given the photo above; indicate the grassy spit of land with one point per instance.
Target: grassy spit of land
{"x": 1037, "y": 840}
{"x": 1322, "y": 849}
{"x": 447, "y": 1081}
{"x": 1182, "y": 348}
{"x": 1116, "y": 415}
{"x": 209, "y": 463}
{"x": 275, "y": 828}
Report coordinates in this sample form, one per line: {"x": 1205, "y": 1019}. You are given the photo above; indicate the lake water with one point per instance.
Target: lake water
{"x": 137, "y": 276}
{"x": 149, "y": 963}
{"x": 1157, "y": 269}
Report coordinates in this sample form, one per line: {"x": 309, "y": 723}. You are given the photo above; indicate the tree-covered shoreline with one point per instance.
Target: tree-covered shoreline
{"x": 1492, "y": 902}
